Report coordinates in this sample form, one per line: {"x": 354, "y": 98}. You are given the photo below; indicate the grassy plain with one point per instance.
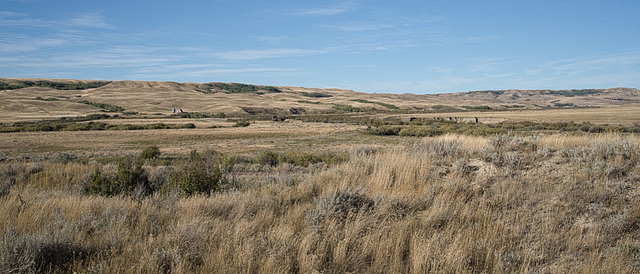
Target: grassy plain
{"x": 318, "y": 197}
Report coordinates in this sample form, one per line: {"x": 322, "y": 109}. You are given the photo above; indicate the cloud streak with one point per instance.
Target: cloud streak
{"x": 79, "y": 20}
{"x": 320, "y": 12}
{"x": 257, "y": 54}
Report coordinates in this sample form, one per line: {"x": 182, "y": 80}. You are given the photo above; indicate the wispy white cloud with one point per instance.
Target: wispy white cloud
{"x": 88, "y": 20}
{"x": 15, "y": 19}
{"x": 197, "y": 71}
{"x": 358, "y": 26}
{"x": 103, "y": 58}
{"x": 583, "y": 64}
{"x": 256, "y": 54}
{"x": 320, "y": 12}
{"x": 17, "y": 45}
{"x": 79, "y": 20}
{"x": 339, "y": 8}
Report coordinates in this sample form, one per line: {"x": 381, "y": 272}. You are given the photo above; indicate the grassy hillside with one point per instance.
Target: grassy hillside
{"x": 65, "y": 97}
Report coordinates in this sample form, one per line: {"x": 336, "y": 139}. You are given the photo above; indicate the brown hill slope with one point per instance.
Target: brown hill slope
{"x": 27, "y": 99}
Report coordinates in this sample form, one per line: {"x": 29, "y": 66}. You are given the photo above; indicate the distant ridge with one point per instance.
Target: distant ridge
{"x": 64, "y": 97}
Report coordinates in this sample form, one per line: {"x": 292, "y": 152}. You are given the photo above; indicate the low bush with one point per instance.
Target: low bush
{"x": 128, "y": 177}
{"x": 346, "y": 108}
{"x": 106, "y": 107}
{"x": 242, "y": 124}
{"x": 389, "y": 106}
{"x": 315, "y": 94}
{"x": 201, "y": 173}
{"x": 149, "y": 153}
{"x": 53, "y": 84}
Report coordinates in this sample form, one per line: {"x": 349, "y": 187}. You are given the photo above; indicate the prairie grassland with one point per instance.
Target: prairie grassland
{"x": 447, "y": 204}
{"x": 260, "y": 135}
{"x": 626, "y": 115}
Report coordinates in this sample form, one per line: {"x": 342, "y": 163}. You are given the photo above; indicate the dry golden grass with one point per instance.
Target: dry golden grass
{"x": 260, "y": 135}
{"x": 451, "y": 204}
{"x": 626, "y": 115}
{"x": 152, "y": 98}
{"x": 552, "y": 203}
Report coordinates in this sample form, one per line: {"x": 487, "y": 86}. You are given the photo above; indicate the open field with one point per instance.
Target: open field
{"x": 345, "y": 184}
{"x": 610, "y": 115}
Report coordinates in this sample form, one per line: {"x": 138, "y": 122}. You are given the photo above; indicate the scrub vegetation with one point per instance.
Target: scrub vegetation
{"x": 258, "y": 179}
{"x": 447, "y": 204}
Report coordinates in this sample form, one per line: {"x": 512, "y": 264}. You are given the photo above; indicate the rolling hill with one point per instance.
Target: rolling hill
{"x": 29, "y": 99}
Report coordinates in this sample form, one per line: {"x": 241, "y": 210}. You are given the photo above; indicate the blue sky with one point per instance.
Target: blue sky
{"x": 428, "y": 46}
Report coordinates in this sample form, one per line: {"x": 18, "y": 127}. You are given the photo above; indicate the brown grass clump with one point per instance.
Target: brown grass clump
{"x": 447, "y": 204}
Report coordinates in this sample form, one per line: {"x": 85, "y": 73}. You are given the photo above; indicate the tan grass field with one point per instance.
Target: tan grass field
{"x": 296, "y": 196}
{"x": 607, "y": 115}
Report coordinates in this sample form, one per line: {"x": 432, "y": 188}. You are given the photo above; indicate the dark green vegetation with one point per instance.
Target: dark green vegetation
{"x": 575, "y": 92}
{"x": 389, "y": 106}
{"x": 513, "y": 106}
{"x": 76, "y": 124}
{"x": 300, "y": 158}
{"x": 478, "y": 107}
{"x": 310, "y": 102}
{"x": 198, "y": 173}
{"x": 242, "y": 123}
{"x": 47, "y": 99}
{"x": 429, "y": 127}
{"x": 197, "y": 115}
{"x": 495, "y": 93}
{"x": 106, "y": 107}
{"x": 53, "y": 84}
{"x": 346, "y": 108}
{"x": 566, "y": 93}
{"x": 315, "y": 94}
{"x": 239, "y": 88}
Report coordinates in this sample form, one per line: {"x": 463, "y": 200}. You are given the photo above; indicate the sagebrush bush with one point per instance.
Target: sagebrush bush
{"x": 129, "y": 176}
{"x": 268, "y": 158}
{"x": 201, "y": 173}
{"x": 149, "y": 153}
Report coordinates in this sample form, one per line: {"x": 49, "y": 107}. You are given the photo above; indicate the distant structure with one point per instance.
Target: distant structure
{"x": 179, "y": 111}
{"x": 174, "y": 110}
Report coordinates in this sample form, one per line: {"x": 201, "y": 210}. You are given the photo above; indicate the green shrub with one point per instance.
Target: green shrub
{"x": 478, "y": 107}
{"x": 243, "y": 88}
{"x": 128, "y": 177}
{"x": 242, "y": 124}
{"x": 150, "y": 152}
{"x": 268, "y": 157}
{"x": 315, "y": 94}
{"x": 106, "y": 107}
{"x": 386, "y": 130}
{"x": 195, "y": 115}
{"x": 47, "y": 99}
{"x": 389, "y": 106}
{"x": 53, "y": 84}
{"x": 201, "y": 174}
{"x": 346, "y": 108}
{"x": 299, "y": 158}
